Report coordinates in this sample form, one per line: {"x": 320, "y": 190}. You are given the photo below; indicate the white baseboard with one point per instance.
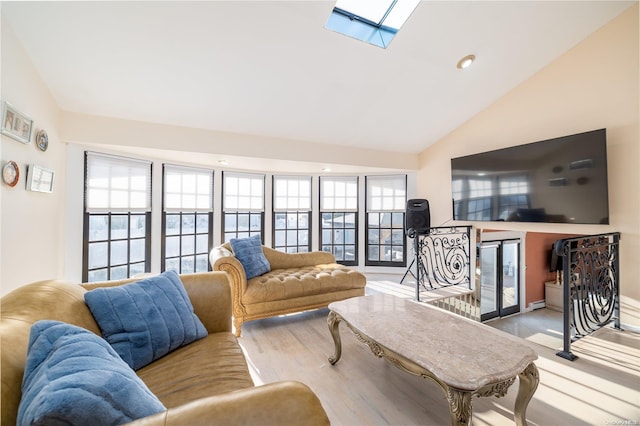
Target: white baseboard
{"x": 536, "y": 305}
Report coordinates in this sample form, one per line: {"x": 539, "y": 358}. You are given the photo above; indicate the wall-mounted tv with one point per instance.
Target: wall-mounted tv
{"x": 561, "y": 180}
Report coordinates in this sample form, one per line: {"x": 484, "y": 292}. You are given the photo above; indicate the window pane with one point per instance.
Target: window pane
{"x": 350, "y": 220}
{"x": 98, "y": 275}
{"x": 119, "y": 252}
{"x": 188, "y": 223}
{"x": 119, "y": 227}
{"x": 188, "y": 244}
{"x": 98, "y": 228}
{"x": 327, "y": 220}
{"x": 138, "y": 227}
{"x": 280, "y": 238}
{"x": 230, "y": 222}
{"x": 350, "y": 236}
{"x": 119, "y": 273}
{"x": 292, "y": 220}
{"x": 350, "y": 253}
{"x": 374, "y": 253}
{"x": 292, "y": 238}
{"x": 98, "y": 255}
{"x": 172, "y": 264}
{"x": 173, "y": 224}
{"x": 387, "y": 253}
{"x": 374, "y": 219}
{"x": 303, "y": 237}
{"x": 202, "y": 263}
{"x": 187, "y": 265}
{"x": 137, "y": 250}
{"x": 136, "y": 268}
{"x": 303, "y": 220}
{"x": 202, "y": 243}
{"x": 243, "y": 222}
{"x": 202, "y": 223}
{"x": 280, "y": 221}
{"x": 374, "y": 236}
{"x": 255, "y": 222}
{"x": 397, "y": 237}
{"x": 172, "y": 247}
{"x": 397, "y": 220}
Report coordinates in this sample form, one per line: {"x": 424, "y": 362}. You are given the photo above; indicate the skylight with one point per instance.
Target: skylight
{"x": 372, "y": 21}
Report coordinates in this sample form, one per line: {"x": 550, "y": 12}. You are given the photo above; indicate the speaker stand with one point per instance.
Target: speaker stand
{"x": 421, "y": 270}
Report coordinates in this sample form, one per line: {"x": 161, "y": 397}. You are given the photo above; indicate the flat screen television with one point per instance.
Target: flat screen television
{"x": 560, "y": 180}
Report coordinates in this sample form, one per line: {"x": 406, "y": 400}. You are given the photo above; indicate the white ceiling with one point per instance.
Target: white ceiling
{"x": 269, "y": 68}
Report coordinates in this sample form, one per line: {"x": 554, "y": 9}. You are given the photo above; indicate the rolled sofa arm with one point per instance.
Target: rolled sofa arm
{"x": 280, "y": 403}
{"x": 222, "y": 259}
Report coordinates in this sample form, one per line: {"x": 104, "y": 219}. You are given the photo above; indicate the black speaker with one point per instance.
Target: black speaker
{"x": 417, "y": 219}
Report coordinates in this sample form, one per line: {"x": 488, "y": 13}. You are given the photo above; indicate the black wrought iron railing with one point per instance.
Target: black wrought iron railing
{"x": 591, "y": 283}
{"x": 442, "y": 258}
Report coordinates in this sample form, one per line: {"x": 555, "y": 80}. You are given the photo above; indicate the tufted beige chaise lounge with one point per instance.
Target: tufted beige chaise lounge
{"x": 297, "y": 282}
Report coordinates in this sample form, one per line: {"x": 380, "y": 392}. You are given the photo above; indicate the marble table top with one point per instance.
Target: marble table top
{"x": 464, "y": 354}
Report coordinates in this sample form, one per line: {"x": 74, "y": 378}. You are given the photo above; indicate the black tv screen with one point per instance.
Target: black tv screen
{"x": 561, "y": 180}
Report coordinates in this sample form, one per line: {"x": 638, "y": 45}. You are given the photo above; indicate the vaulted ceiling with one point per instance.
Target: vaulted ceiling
{"x": 270, "y": 68}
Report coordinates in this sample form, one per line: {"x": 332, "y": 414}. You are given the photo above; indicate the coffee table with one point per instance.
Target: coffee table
{"x": 464, "y": 357}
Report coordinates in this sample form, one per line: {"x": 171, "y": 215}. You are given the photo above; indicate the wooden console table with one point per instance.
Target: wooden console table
{"x": 464, "y": 357}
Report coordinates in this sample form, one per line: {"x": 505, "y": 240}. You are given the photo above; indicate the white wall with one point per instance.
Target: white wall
{"x": 32, "y": 231}
{"x": 592, "y": 86}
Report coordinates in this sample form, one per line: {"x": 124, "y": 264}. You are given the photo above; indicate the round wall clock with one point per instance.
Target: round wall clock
{"x": 11, "y": 173}
{"x": 42, "y": 140}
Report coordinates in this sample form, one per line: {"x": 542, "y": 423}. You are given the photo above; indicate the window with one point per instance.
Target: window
{"x": 117, "y": 219}
{"x": 386, "y": 202}
{"x": 372, "y": 21}
{"x": 291, "y": 213}
{"x": 187, "y": 219}
{"x": 339, "y": 218}
{"x": 243, "y": 205}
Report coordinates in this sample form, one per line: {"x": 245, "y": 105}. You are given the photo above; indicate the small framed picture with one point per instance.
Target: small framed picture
{"x": 15, "y": 124}
{"x": 39, "y": 179}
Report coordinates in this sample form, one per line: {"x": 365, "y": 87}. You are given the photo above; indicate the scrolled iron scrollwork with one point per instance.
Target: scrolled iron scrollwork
{"x": 591, "y": 277}
{"x": 446, "y": 252}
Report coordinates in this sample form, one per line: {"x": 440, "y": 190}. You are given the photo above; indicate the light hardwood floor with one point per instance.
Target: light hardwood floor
{"x": 602, "y": 387}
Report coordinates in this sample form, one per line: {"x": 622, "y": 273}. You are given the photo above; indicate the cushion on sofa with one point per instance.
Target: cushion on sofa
{"x": 249, "y": 252}
{"x": 74, "y": 377}
{"x": 147, "y": 319}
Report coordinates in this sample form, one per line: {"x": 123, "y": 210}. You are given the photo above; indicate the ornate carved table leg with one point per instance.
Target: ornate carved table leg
{"x": 529, "y": 379}
{"x": 460, "y": 407}
{"x": 333, "y": 320}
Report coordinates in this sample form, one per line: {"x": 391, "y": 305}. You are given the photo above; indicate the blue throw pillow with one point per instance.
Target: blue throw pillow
{"x": 74, "y": 377}
{"x": 146, "y": 320}
{"x": 249, "y": 252}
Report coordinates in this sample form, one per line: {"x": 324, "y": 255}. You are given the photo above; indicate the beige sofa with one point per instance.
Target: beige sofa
{"x": 205, "y": 382}
{"x": 296, "y": 282}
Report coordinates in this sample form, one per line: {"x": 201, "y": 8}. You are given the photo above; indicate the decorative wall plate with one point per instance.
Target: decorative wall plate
{"x": 11, "y": 173}
{"x": 42, "y": 140}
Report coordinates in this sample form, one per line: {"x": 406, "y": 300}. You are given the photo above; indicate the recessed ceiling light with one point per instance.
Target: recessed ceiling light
{"x": 223, "y": 162}
{"x": 326, "y": 169}
{"x": 466, "y": 62}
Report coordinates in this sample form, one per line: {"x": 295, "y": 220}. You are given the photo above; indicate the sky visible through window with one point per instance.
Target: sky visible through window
{"x": 372, "y": 21}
